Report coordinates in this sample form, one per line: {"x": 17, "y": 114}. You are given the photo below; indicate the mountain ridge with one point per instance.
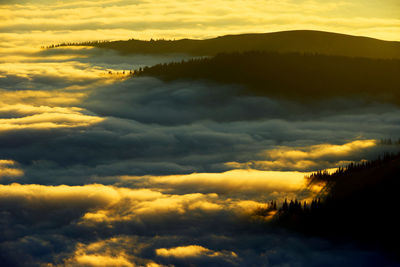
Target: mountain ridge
{"x": 303, "y": 41}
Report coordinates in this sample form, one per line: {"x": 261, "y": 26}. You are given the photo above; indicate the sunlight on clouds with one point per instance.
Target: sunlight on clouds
{"x": 48, "y": 121}
{"x": 42, "y": 110}
{"x": 69, "y": 70}
{"x": 179, "y": 204}
{"x": 115, "y": 251}
{"x": 56, "y": 72}
{"x": 56, "y": 22}
{"x": 308, "y": 157}
{"x": 24, "y": 109}
{"x": 28, "y": 109}
{"x": 89, "y": 195}
{"x": 135, "y": 208}
{"x": 8, "y": 169}
{"x": 229, "y": 182}
{"x": 98, "y": 193}
{"x": 11, "y": 55}
{"x": 172, "y": 219}
{"x": 109, "y": 204}
{"x": 318, "y": 151}
{"x": 113, "y": 203}
{"x": 32, "y": 99}
{"x": 101, "y": 260}
{"x": 98, "y": 254}
{"x": 192, "y": 251}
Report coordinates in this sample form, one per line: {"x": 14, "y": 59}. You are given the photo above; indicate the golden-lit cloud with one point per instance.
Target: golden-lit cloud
{"x": 192, "y": 251}
{"x": 318, "y": 151}
{"x": 155, "y": 203}
{"x": 115, "y": 133}
{"x": 71, "y": 70}
{"x": 234, "y": 181}
{"x": 308, "y": 157}
{"x": 100, "y": 261}
{"x": 28, "y": 109}
{"x": 76, "y": 21}
{"x": 90, "y": 195}
{"x": 24, "y": 109}
{"x": 111, "y": 252}
{"x": 49, "y": 120}
{"x": 32, "y": 109}
{"x": 8, "y": 168}
{"x": 110, "y": 204}
{"x": 33, "y": 100}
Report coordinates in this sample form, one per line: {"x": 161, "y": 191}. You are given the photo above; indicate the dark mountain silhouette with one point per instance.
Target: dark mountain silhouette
{"x": 302, "y": 41}
{"x": 305, "y": 77}
{"x": 359, "y": 202}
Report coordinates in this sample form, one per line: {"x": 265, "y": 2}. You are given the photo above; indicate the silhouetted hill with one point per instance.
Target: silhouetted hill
{"x": 303, "y": 41}
{"x": 304, "y": 77}
{"x": 361, "y": 202}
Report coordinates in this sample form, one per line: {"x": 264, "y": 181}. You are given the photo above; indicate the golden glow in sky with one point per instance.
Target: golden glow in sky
{"x": 45, "y": 22}
{"x": 28, "y": 25}
{"x": 99, "y": 167}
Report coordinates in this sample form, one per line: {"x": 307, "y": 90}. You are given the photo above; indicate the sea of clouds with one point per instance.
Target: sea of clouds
{"x": 100, "y": 169}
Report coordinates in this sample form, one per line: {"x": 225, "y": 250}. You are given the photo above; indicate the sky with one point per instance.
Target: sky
{"x": 45, "y": 22}
{"x": 105, "y": 170}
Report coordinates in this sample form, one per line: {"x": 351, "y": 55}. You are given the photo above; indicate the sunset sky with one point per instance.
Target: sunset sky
{"x": 100, "y": 169}
{"x": 45, "y": 22}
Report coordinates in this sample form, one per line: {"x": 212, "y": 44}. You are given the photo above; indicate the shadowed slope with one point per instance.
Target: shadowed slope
{"x": 360, "y": 203}
{"x": 303, "y": 77}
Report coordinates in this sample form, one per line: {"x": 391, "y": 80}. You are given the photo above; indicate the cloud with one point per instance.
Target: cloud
{"x": 114, "y": 251}
{"x": 101, "y": 58}
{"x": 311, "y": 157}
{"x": 193, "y": 251}
{"x": 8, "y": 168}
{"x": 234, "y": 183}
{"x": 321, "y": 151}
{"x": 99, "y": 260}
{"x": 99, "y": 203}
{"x": 48, "y": 121}
{"x": 38, "y": 110}
{"x": 162, "y": 19}
{"x": 101, "y": 169}
{"x": 46, "y": 215}
{"x": 51, "y": 226}
{"x": 144, "y": 126}
{"x": 31, "y": 99}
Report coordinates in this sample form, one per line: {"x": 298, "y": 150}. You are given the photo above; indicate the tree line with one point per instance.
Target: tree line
{"x": 360, "y": 203}
{"x": 297, "y": 76}
{"x": 326, "y": 43}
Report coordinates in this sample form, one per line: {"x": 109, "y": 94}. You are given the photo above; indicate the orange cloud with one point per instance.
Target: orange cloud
{"x": 48, "y": 121}
{"x": 308, "y": 157}
{"x": 116, "y": 251}
{"x": 192, "y": 251}
{"x": 8, "y": 169}
{"x": 21, "y": 100}
{"x": 37, "y": 24}
{"x": 109, "y": 204}
{"x": 239, "y": 180}
{"x": 100, "y": 261}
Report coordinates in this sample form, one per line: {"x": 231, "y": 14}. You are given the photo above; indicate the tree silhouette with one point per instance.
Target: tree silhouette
{"x": 360, "y": 203}
{"x": 301, "y": 77}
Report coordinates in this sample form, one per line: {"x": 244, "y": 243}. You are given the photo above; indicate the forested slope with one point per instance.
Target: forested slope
{"x": 305, "y": 77}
